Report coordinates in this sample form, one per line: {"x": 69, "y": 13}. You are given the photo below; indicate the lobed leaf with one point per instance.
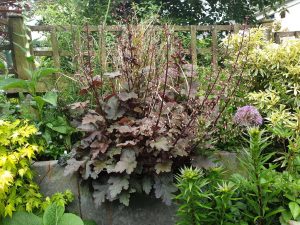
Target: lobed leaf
{"x": 117, "y": 184}
{"x": 164, "y": 188}
{"x": 73, "y": 166}
{"x": 162, "y": 144}
{"x": 127, "y": 162}
{"x": 163, "y": 167}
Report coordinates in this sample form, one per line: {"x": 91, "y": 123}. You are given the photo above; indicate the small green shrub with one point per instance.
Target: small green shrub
{"x": 274, "y": 69}
{"x": 42, "y": 109}
{"x": 206, "y": 198}
{"x": 261, "y": 195}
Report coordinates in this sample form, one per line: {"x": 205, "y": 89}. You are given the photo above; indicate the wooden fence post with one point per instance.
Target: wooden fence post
{"x": 20, "y": 46}
{"x": 102, "y": 47}
{"x": 55, "y": 50}
{"x": 214, "y": 47}
{"x": 77, "y": 49}
{"x": 276, "y": 38}
{"x": 194, "y": 44}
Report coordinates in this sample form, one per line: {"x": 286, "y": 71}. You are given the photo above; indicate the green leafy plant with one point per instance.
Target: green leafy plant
{"x": 258, "y": 195}
{"x": 41, "y": 108}
{"x": 30, "y": 85}
{"x": 261, "y": 196}
{"x": 207, "y": 198}
{"x": 18, "y": 191}
{"x": 53, "y": 215}
{"x": 275, "y": 91}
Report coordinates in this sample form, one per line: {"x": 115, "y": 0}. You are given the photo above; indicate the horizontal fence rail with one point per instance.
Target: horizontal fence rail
{"x": 193, "y": 29}
{"x": 16, "y": 26}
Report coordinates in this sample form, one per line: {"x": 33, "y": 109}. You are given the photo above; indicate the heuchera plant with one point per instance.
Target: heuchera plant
{"x": 142, "y": 120}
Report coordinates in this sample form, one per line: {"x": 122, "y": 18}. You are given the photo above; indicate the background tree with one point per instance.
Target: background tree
{"x": 176, "y": 11}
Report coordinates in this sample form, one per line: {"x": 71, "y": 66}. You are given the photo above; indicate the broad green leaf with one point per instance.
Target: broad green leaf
{"x": 39, "y": 102}
{"x": 12, "y": 83}
{"x": 60, "y": 125}
{"x": 279, "y": 210}
{"x": 70, "y": 219}
{"x": 295, "y": 209}
{"x": 3, "y": 66}
{"x": 89, "y": 222}
{"x": 53, "y": 214}
{"x": 51, "y": 98}
{"x": 44, "y": 72}
{"x": 20, "y": 218}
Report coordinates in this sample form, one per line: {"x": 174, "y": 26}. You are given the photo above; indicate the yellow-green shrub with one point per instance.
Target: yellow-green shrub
{"x": 275, "y": 73}
{"x": 269, "y": 66}
{"x": 18, "y": 191}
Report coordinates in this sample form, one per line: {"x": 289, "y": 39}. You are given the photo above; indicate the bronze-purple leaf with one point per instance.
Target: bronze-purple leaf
{"x": 161, "y": 144}
{"x": 127, "y": 162}
{"x": 113, "y": 74}
{"x": 92, "y": 118}
{"x": 127, "y": 143}
{"x": 125, "y": 96}
{"x": 79, "y": 105}
{"x": 164, "y": 188}
{"x": 99, "y": 194}
{"x": 98, "y": 147}
{"x": 112, "y": 109}
{"x": 87, "y": 127}
{"x": 163, "y": 167}
{"x": 84, "y": 91}
{"x": 117, "y": 184}
{"x": 127, "y": 129}
{"x": 97, "y": 81}
{"x": 73, "y": 166}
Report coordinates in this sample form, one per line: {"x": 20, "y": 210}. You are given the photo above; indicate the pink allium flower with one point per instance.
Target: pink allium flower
{"x": 248, "y": 116}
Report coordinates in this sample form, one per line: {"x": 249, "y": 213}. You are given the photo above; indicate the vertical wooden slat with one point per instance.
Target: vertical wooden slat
{"x": 102, "y": 47}
{"x": 55, "y": 48}
{"x": 30, "y": 45}
{"x": 268, "y": 33}
{"x": 194, "y": 44}
{"x": 214, "y": 49}
{"x": 236, "y": 28}
{"x": 277, "y": 38}
{"x": 77, "y": 50}
{"x": 20, "y": 46}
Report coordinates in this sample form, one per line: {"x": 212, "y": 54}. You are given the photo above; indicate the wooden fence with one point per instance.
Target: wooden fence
{"x": 18, "y": 41}
{"x": 18, "y": 38}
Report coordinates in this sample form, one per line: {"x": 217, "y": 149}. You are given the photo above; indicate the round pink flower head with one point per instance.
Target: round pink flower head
{"x": 248, "y": 116}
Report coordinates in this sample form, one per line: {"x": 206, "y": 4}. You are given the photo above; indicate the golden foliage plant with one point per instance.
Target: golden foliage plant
{"x": 18, "y": 191}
